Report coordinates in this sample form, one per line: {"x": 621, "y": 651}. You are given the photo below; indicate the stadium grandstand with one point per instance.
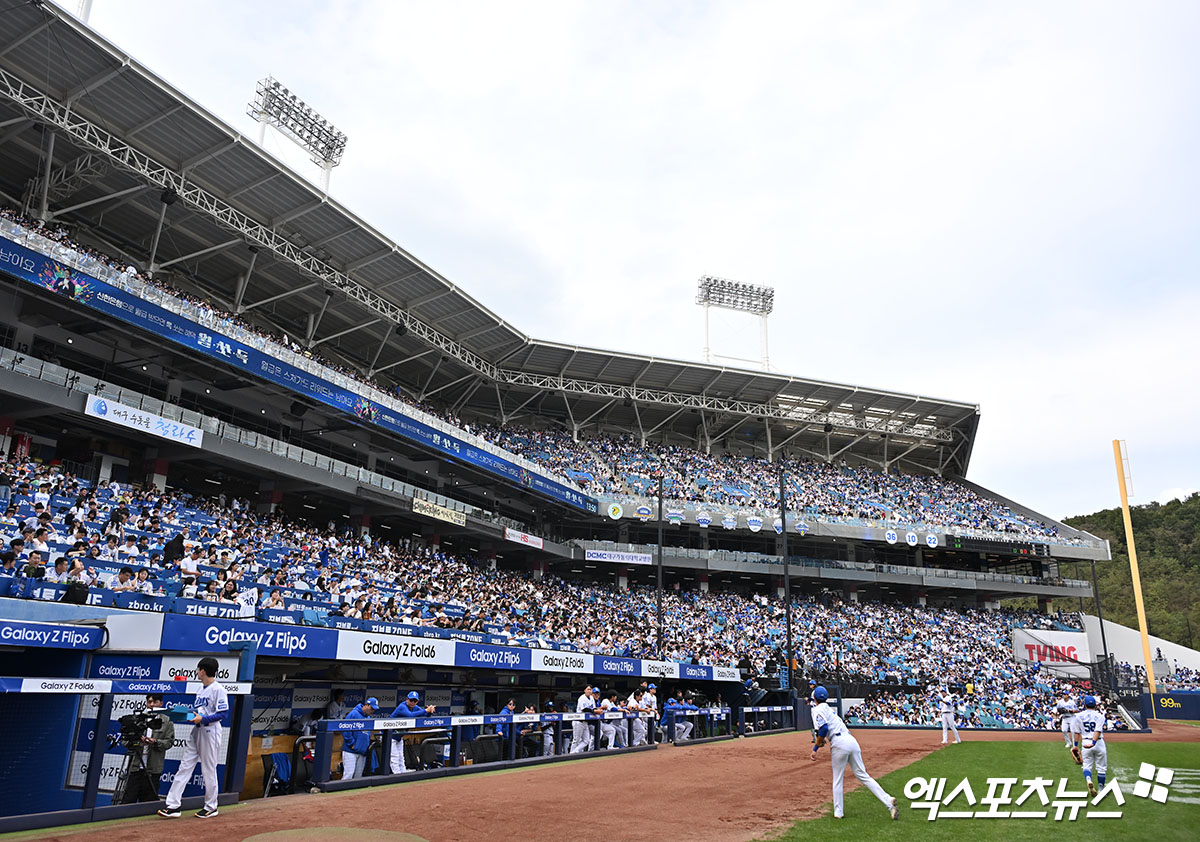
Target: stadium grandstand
{"x": 227, "y": 396}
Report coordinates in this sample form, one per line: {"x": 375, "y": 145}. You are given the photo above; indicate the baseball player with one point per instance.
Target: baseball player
{"x": 670, "y": 706}
{"x": 812, "y": 703}
{"x": 622, "y": 724}
{"x": 410, "y": 708}
{"x": 548, "y": 732}
{"x": 650, "y": 702}
{"x": 210, "y": 710}
{"x": 948, "y": 707}
{"x": 843, "y": 749}
{"x": 356, "y": 744}
{"x": 637, "y": 704}
{"x": 1095, "y": 753}
{"x": 608, "y": 730}
{"x": 581, "y": 734}
{"x": 1066, "y": 710}
{"x": 684, "y": 724}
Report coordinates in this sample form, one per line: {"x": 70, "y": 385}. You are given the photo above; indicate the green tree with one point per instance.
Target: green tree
{"x": 1168, "y": 545}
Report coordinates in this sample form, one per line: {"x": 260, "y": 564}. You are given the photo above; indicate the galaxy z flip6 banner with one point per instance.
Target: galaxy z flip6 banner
{"x": 49, "y": 274}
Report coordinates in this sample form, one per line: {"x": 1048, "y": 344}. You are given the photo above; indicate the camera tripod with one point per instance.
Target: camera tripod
{"x": 134, "y": 783}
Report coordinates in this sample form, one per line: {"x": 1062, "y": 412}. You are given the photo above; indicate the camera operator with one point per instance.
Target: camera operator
{"x": 211, "y": 710}
{"x": 146, "y": 760}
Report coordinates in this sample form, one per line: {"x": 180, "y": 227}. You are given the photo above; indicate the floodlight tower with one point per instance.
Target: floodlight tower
{"x": 743, "y": 298}
{"x": 275, "y": 105}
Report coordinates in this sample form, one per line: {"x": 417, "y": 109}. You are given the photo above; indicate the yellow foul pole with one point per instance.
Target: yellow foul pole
{"x": 1133, "y": 563}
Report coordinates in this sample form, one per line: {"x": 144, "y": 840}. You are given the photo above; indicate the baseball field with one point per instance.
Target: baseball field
{"x": 763, "y": 788}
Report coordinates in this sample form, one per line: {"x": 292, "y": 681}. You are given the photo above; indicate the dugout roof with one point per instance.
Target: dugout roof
{"x": 252, "y": 234}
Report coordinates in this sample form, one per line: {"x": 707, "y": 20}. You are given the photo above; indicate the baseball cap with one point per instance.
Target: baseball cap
{"x": 653, "y": 687}
{"x": 414, "y": 695}
{"x": 372, "y": 701}
{"x": 820, "y": 694}
{"x": 550, "y": 704}
{"x": 1089, "y": 701}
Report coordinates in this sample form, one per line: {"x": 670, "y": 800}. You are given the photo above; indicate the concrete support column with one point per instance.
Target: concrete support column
{"x": 7, "y": 425}
{"x": 919, "y": 557}
{"x": 921, "y": 599}
{"x": 539, "y": 569}
{"x": 852, "y": 593}
{"x": 623, "y": 577}
{"x": 361, "y": 523}
{"x": 156, "y": 473}
{"x": 1045, "y": 605}
{"x": 703, "y": 579}
{"x": 269, "y": 498}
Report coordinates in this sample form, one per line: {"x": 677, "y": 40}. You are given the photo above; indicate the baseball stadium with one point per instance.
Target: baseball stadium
{"x": 286, "y": 508}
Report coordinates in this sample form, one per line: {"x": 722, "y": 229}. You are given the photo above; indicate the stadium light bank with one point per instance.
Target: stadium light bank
{"x": 276, "y": 106}
{"x": 756, "y": 300}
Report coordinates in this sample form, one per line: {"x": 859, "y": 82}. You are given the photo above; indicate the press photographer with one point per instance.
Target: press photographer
{"x": 147, "y": 735}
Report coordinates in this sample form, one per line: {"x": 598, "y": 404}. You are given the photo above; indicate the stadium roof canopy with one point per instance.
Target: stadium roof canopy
{"x": 141, "y": 170}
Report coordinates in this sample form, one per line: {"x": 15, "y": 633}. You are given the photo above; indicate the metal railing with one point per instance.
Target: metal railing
{"x": 831, "y": 564}
{"x": 718, "y": 510}
{"x": 207, "y": 317}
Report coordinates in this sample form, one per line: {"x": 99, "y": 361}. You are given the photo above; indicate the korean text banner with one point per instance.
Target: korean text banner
{"x": 139, "y": 419}
{"x": 42, "y": 271}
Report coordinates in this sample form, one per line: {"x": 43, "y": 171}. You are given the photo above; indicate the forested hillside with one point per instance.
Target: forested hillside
{"x": 1168, "y": 547}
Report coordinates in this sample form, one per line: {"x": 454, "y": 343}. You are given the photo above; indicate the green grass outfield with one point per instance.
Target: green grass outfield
{"x": 866, "y": 818}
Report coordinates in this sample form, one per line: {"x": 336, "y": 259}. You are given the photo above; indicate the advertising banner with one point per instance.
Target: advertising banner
{"x": 1061, "y": 652}
{"x": 433, "y": 510}
{"x": 139, "y": 419}
{"x": 615, "y": 557}
{"x": 519, "y": 537}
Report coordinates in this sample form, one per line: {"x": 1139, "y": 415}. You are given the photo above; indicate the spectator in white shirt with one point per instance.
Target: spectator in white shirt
{"x": 123, "y": 582}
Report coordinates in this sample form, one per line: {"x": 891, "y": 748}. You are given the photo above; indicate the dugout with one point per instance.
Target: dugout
{"x": 63, "y": 691}
{"x": 114, "y": 656}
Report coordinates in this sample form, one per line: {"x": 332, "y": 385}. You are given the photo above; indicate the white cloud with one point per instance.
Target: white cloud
{"x": 992, "y": 204}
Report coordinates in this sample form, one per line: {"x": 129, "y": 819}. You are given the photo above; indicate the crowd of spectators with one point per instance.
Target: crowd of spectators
{"x": 1029, "y": 703}
{"x": 623, "y": 465}
{"x": 161, "y": 540}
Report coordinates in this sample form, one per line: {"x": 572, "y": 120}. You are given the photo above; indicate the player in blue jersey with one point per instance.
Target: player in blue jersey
{"x": 356, "y": 744}
{"x": 410, "y": 708}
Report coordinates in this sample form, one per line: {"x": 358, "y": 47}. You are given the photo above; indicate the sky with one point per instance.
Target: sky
{"x": 986, "y": 202}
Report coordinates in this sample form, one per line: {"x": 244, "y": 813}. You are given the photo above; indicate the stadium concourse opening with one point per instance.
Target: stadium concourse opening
{"x": 237, "y": 419}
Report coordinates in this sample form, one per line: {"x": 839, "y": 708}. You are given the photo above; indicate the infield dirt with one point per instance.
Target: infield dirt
{"x": 729, "y": 791}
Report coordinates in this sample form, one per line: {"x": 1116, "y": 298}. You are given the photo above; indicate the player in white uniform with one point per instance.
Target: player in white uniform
{"x": 211, "y": 709}
{"x": 637, "y": 704}
{"x": 1067, "y": 711}
{"x": 1095, "y": 753}
{"x": 948, "y": 708}
{"x": 843, "y": 749}
{"x": 581, "y": 733}
{"x": 650, "y": 702}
